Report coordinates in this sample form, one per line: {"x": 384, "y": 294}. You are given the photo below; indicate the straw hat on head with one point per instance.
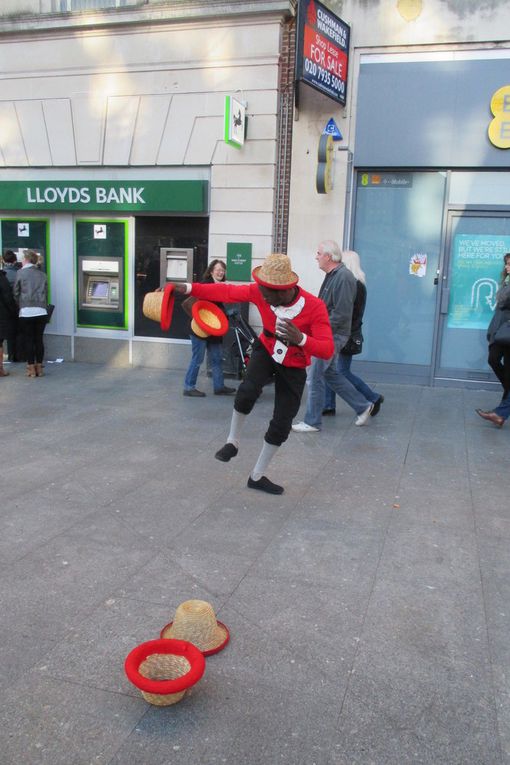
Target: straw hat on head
{"x": 195, "y": 622}
{"x": 276, "y": 272}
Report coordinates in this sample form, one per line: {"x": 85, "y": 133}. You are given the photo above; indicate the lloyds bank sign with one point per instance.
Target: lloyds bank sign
{"x": 105, "y": 196}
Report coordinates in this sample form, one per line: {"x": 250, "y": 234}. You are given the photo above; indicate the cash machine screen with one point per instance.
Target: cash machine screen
{"x": 99, "y": 289}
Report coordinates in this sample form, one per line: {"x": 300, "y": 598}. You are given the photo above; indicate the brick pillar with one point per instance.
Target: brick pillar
{"x": 284, "y": 145}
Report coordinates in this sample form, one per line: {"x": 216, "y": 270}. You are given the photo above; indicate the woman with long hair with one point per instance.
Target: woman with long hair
{"x": 214, "y": 273}
{"x": 499, "y": 354}
{"x": 354, "y": 345}
{"x": 31, "y": 294}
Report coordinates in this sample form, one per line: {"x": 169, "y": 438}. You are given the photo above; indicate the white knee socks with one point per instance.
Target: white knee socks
{"x": 265, "y": 457}
{"x": 236, "y": 426}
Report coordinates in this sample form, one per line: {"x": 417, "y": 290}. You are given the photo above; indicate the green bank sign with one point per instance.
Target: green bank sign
{"x": 105, "y": 196}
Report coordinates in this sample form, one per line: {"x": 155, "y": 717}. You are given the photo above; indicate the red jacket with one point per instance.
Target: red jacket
{"x": 312, "y": 320}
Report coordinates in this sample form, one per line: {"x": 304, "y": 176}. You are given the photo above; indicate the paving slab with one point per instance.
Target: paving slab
{"x": 369, "y": 605}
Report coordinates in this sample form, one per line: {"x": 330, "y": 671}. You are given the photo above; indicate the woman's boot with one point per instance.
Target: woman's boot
{"x": 39, "y": 371}
{"x": 31, "y": 370}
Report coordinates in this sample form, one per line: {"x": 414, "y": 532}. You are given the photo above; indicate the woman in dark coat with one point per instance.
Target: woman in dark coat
{"x": 8, "y": 316}
{"x": 499, "y": 355}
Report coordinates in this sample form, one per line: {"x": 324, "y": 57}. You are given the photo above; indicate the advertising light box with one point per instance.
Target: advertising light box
{"x": 322, "y": 50}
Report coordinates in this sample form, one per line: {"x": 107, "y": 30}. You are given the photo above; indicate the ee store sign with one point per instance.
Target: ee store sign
{"x": 85, "y": 195}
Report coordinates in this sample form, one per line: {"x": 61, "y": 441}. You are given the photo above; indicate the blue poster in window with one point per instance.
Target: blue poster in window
{"x": 475, "y": 278}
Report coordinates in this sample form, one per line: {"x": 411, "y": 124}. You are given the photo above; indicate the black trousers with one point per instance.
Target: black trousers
{"x": 499, "y": 362}
{"x": 289, "y": 383}
{"x": 32, "y": 329}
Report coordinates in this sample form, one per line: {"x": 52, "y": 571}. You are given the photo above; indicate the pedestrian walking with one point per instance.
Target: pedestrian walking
{"x": 354, "y": 345}
{"x": 338, "y": 291}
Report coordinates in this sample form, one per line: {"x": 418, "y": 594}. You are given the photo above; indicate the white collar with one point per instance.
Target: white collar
{"x": 289, "y": 311}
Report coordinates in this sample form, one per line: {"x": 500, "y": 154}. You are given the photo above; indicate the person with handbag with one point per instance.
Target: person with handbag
{"x": 338, "y": 292}
{"x": 498, "y": 337}
{"x": 354, "y": 344}
{"x": 31, "y": 295}
{"x": 214, "y": 273}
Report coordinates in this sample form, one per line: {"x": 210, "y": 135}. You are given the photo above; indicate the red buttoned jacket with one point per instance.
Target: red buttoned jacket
{"x": 313, "y": 320}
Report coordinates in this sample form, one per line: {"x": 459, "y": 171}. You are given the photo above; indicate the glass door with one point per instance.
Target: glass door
{"x": 475, "y": 245}
{"x": 397, "y": 233}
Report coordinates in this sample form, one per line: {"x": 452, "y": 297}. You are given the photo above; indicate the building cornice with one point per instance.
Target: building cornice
{"x": 146, "y": 14}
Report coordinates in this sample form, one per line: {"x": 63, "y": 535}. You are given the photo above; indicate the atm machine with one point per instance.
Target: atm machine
{"x": 176, "y": 264}
{"x": 100, "y": 291}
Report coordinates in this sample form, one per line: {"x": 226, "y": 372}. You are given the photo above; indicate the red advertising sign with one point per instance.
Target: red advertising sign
{"x": 323, "y": 50}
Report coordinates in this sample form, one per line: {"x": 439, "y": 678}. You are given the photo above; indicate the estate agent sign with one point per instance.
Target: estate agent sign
{"x": 322, "y": 50}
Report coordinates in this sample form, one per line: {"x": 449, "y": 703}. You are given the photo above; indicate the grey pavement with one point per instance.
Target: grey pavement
{"x": 369, "y": 605}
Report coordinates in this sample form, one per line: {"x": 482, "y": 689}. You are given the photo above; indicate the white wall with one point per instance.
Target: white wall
{"x": 150, "y": 96}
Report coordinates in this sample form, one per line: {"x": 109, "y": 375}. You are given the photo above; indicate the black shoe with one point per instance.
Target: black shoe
{"x": 328, "y": 412}
{"x": 225, "y": 391}
{"x": 264, "y": 484}
{"x": 194, "y": 393}
{"x": 377, "y": 406}
{"x": 226, "y": 453}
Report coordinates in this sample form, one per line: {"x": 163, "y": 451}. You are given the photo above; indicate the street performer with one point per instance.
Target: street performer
{"x": 295, "y": 327}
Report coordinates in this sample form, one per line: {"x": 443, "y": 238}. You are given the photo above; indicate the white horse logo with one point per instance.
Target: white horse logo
{"x": 485, "y": 285}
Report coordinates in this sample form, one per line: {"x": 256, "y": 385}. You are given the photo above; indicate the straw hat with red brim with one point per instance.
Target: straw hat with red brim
{"x": 276, "y": 273}
{"x": 164, "y": 670}
{"x": 159, "y": 306}
{"x": 210, "y": 318}
{"x": 195, "y": 621}
{"x": 167, "y": 307}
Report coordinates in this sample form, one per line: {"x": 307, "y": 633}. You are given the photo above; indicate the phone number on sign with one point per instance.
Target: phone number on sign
{"x": 322, "y": 75}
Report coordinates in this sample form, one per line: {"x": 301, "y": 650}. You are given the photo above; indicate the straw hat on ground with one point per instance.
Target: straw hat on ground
{"x": 195, "y": 621}
{"x": 164, "y": 670}
{"x": 276, "y": 273}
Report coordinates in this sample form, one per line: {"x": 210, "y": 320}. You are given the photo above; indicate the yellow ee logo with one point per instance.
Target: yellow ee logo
{"x": 499, "y": 128}
{"x": 325, "y": 156}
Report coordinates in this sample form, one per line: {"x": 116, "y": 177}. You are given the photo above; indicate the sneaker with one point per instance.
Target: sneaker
{"x": 226, "y": 453}
{"x": 328, "y": 412}
{"x": 303, "y": 427}
{"x": 362, "y": 418}
{"x": 264, "y": 484}
{"x": 194, "y": 393}
{"x": 225, "y": 391}
{"x": 377, "y": 406}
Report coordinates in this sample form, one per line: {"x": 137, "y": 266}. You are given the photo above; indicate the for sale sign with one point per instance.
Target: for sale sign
{"x": 323, "y": 50}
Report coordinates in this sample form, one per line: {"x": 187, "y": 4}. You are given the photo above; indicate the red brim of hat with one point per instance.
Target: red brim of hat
{"x": 206, "y": 305}
{"x": 167, "y": 307}
{"x": 177, "y": 647}
{"x": 210, "y": 651}
{"x": 255, "y": 274}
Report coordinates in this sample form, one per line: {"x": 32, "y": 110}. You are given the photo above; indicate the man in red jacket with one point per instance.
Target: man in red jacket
{"x": 295, "y": 327}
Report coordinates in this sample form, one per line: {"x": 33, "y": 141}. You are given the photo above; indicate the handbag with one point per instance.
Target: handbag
{"x": 353, "y": 346}
{"x": 502, "y": 334}
{"x": 49, "y": 309}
